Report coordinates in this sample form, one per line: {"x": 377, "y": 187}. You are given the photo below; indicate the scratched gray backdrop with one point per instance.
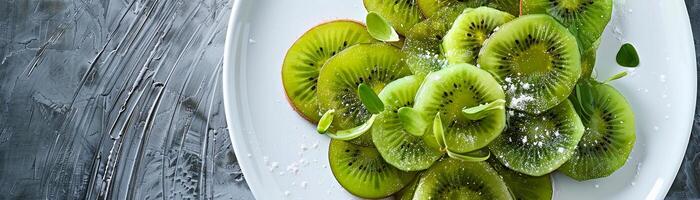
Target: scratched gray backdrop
{"x": 121, "y": 99}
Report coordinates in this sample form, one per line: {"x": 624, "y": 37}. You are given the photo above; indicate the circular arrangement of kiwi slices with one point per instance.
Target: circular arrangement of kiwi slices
{"x": 524, "y": 187}
{"x": 455, "y": 179}
{"x": 308, "y": 54}
{"x": 372, "y": 64}
{"x": 538, "y": 144}
{"x": 586, "y": 19}
{"x": 451, "y": 90}
{"x": 609, "y": 135}
{"x": 422, "y": 45}
{"x": 431, "y": 8}
{"x": 469, "y": 31}
{"x": 399, "y": 148}
{"x": 536, "y": 60}
{"x": 362, "y": 171}
{"x": 402, "y": 14}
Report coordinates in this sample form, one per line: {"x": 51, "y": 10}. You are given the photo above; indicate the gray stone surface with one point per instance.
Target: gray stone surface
{"x": 121, "y": 99}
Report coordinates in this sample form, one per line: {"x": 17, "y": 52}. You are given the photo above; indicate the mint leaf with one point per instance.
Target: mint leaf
{"x": 413, "y": 121}
{"x": 627, "y": 56}
{"x": 438, "y": 131}
{"x": 326, "y": 121}
{"x": 355, "y": 132}
{"x": 380, "y": 29}
{"x": 370, "y": 99}
{"x": 483, "y": 110}
{"x": 616, "y": 76}
{"x": 474, "y": 156}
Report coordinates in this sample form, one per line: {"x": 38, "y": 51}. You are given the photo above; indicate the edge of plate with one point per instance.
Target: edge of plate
{"x": 229, "y": 85}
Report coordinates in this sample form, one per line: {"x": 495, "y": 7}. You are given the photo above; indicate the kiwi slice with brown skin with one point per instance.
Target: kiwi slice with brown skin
{"x": 539, "y": 144}
{"x": 362, "y": 171}
{"x": 431, "y": 8}
{"x": 402, "y": 14}
{"x": 375, "y": 65}
{"x": 469, "y": 31}
{"x": 308, "y": 54}
{"x": 609, "y": 135}
{"x": 535, "y": 59}
{"x": 422, "y": 46}
{"x": 456, "y": 179}
{"x": 524, "y": 187}
{"x": 586, "y": 19}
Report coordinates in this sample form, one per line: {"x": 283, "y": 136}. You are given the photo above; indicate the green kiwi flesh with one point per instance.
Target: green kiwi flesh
{"x": 308, "y": 54}
{"x": 363, "y": 172}
{"x": 422, "y": 46}
{"x": 399, "y": 148}
{"x": 455, "y": 179}
{"x": 524, "y": 187}
{"x": 469, "y": 31}
{"x": 536, "y": 60}
{"x": 431, "y": 8}
{"x": 450, "y": 90}
{"x": 586, "y": 19}
{"x": 373, "y": 64}
{"x": 588, "y": 58}
{"x": 402, "y": 14}
{"x": 407, "y": 192}
{"x": 539, "y": 144}
{"x": 509, "y": 6}
{"x": 608, "y": 138}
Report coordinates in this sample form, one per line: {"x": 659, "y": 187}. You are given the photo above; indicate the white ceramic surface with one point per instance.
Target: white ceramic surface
{"x": 283, "y": 158}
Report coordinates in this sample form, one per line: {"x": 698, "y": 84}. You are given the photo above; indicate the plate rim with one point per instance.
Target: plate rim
{"x": 256, "y": 187}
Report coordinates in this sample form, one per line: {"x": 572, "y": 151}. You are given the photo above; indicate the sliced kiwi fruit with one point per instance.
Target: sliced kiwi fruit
{"x": 373, "y": 64}
{"x": 469, "y": 31}
{"x": 402, "y": 14}
{"x": 588, "y": 58}
{"x": 538, "y": 144}
{"x": 524, "y": 187}
{"x": 509, "y": 6}
{"x": 308, "y": 54}
{"x": 586, "y": 19}
{"x": 399, "y": 148}
{"x": 608, "y": 138}
{"x": 422, "y": 46}
{"x": 407, "y": 192}
{"x": 455, "y": 179}
{"x": 431, "y": 8}
{"x": 454, "y": 88}
{"x": 362, "y": 171}
{"x": 536, "y": 59}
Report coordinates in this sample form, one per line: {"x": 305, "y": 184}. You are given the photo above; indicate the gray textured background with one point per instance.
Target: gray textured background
{"x": 121, "y": 99}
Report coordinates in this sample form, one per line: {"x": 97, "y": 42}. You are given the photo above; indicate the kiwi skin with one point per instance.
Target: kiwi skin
{"x": 311, "y": 119}
{"x": 601, "y": 154}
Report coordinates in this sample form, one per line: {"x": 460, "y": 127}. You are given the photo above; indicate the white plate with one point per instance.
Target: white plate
{"x": 283, "y": 158}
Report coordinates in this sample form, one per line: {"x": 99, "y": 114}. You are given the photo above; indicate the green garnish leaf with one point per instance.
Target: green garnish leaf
{"x": 584, "y": 97}
{"x": 380, "y": 29}
{"x": 616, "y": 76}
{"x": 438, "y": 131}
{"x": 474, "y": 156}
{"x": 483, "y": 110}
{"x": 370, "y": 99}
{"x": 627, "y": 56}
{"x": 349, "y": 134}
{"x": 413, "y": 121}
{"x": 326, "y": 121}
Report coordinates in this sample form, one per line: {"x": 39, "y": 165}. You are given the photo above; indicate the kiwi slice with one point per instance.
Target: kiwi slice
{"x": 399, "y": 148}
{"x": 431, "y": 8}
{"x": 608, "y": 138}
{"x": 536, "y": 60}
{"x": 373, "y": 64}
{"x": 455, "y": 179}
{"x": 538, "y": 144}
{"x": 362, "y": 171}
{"x": 422, "y": 46}
{"x": 407, "y": 192}
{"x": 402, "y": 14}
{"x": 524, "y": 187}
{"x": 308, "y": 54}
{"x": 509, "y": 6}
{"x": 454, "y": 88}
{"x": 469, "y": 31}
{"x": 586, "y": 19}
